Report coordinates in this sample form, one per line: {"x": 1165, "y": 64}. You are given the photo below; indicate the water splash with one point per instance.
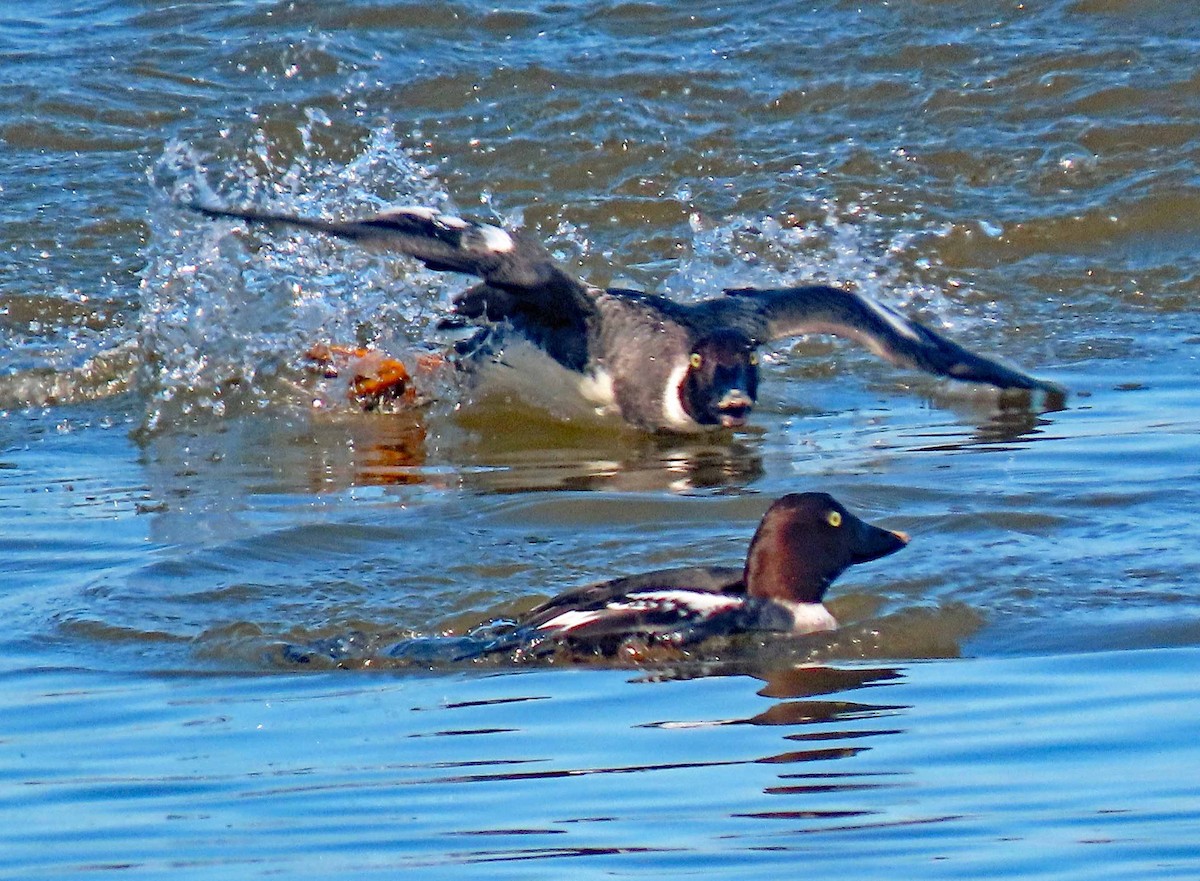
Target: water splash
{"x": 844, "y": 246}
{"x": 227, "y": 314}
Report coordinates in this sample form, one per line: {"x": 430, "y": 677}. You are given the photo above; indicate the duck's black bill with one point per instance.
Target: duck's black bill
{"x": 872, "y": 542}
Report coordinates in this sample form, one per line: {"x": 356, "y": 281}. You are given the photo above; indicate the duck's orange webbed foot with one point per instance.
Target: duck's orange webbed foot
{"x": 375, "y": 376}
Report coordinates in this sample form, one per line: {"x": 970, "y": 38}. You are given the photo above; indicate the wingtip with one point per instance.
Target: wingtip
{"x": 208, "y": 210}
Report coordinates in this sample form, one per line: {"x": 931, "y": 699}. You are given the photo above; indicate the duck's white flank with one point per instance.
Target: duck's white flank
{"x": 810, "y": 617}
{"x": 597, "y": 388}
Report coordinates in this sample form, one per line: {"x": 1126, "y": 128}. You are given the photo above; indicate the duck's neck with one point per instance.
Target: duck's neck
{"x": 773, "y": 572}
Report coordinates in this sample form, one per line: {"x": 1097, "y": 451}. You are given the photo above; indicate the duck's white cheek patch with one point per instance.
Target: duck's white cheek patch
{"x": 673, "y": 412}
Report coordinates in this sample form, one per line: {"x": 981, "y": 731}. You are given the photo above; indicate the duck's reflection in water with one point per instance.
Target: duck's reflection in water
{"x": 829, "y": 728}
{"x": 401, "y": 449}
{"x": 1000, "y": 422}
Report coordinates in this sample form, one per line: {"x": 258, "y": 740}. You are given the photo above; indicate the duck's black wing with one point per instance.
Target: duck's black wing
{"x": 778, "y": 313}
{"x": 442, "y": 242}
{"x": 522, "y": 282}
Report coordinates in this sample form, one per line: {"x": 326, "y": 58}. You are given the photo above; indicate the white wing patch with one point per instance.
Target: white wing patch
{"x": 495, "y": 239}
{"x": 685, "y": 602}
{"x": 698, "y": 601}
{"x": 571, "y": 619}
{"x": 417, "y": 211}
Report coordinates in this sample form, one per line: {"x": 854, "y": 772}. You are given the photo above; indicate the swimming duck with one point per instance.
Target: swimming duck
{"x": 804, "y": 542}
{"x": 659, "y": 364}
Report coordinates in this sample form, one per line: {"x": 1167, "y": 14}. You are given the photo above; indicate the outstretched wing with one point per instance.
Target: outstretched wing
{"x": 522, "y": 283}
{"x": 441, "y": 241}
{"x": 771, "y": 314}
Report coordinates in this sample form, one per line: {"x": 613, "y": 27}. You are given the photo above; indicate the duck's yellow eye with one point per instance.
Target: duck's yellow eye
{"x": 753, "y": 359}
{"x": 695, "y": 360}
{"x": 834, "y": 518}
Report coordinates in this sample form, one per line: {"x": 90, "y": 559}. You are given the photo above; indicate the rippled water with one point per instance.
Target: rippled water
{"x": 180, "y": 501}
{"x": 875, "y": 770}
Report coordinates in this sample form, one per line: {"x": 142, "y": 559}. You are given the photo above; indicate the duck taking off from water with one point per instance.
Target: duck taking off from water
{"x": 661, "y": 365}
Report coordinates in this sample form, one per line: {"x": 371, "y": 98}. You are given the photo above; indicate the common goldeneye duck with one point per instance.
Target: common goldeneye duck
{"x": 803, "y": 543}
{"x": 659, "y": 364}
